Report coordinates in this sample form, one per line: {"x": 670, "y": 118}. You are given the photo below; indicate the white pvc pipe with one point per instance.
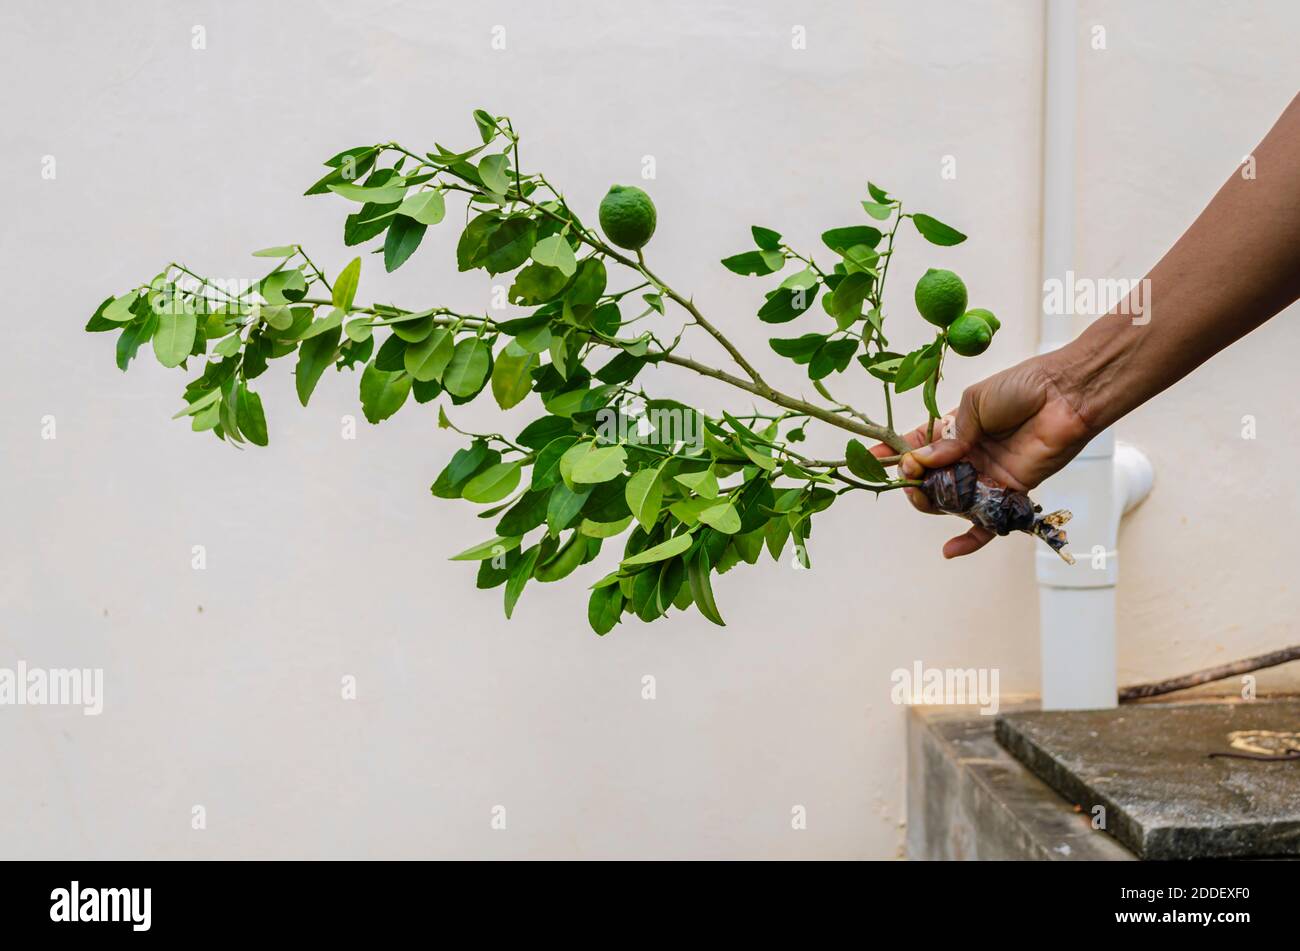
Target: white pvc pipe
{"x": 1060, "y": 115}
{"x": 1076, "y": 603}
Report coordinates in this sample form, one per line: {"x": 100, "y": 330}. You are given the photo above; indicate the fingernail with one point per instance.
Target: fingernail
{"x": 924, "y": 455}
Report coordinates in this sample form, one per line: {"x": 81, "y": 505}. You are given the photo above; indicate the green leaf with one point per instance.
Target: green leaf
{"x": 509, "y": 245}
{"x": 426, "y": 207}
{"x": 879, "y": 194}
{"x": 928, "y": 395}
{"x": 645, "y": 496}
{"x": 327, "y": 323}
{"x": 487, "y": 549}
{"x": 279, "y": 251}
{"x": 377, "y": 195}
{"x": 600, "y": 465}
{"x": 766, "y": 238}
{"x": 936, "y": 232}
{"x": 859, "y": 257}
{"x": 664, "y": 550}
{"x": 833, "y": 357}
{"x": 536, "y": 284}
{"x": 512, "y": 375}
{"x": 755, "y": 262}
{"x": 846, "y": 300}
{"x": 787, "y": 303}
{"x": 564, "y": 562}
{"x": 493, "y": 171}
{"x": 863, "y": 464}
{"x": 703, "y": 483}
{"x": 519, "y": 575}
{"x": 412, "y": 327}
{"x": 723, "y": 517}
{"x": 133, "y": 337}
{"x": 604, "y": 529}
{"x": 383, "y": 392}
{"x": 877, "y": 210}
{"x": 174, "y": 338}
{"x": 252, "y": 420}
{"x": 494, "y": 483}
{"x": 404, "y": 236}
{"x": 555, "y": 252}
{"x": 564, "y": 506}
{"x": 916, "y": 367}
{"x": 697, "y": 573}
{"x": 462, "y": 467}
{"x": 468, "y": 368}
{"x": 120, "y": 310}
{"x": 313, "y": 357}
{"x": 487, "y": 126}
{"x": 798, "y": 349}
{"x": 841, "y": 239}
{"x": 345, "y": 285}
{"x": 428, "y": 359}
{"x": 202, "y": 403}
{"x": 604, "y": 609}
{"x": 540, "y": 432}
{"x": 526, "y": 514}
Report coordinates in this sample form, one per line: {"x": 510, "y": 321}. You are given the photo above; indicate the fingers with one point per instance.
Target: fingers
{"x": 967, "y": 543}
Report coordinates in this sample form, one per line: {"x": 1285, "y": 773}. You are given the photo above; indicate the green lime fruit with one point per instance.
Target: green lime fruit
{"x": 940, "y": 297}
{"x": 969, "y": 335}
{"x": 627, "y": 216}
{"x": 987, "y": 316}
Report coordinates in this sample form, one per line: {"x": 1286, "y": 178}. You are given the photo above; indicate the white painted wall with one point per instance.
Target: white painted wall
{"x": 327, "y": 557}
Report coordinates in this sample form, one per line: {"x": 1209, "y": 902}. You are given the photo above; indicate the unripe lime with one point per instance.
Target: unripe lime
{"x": 987, "y": 316}
{"x": 627, "y": 216}
{"x": 940, "y": 297}
{"x": 969, "y": 335}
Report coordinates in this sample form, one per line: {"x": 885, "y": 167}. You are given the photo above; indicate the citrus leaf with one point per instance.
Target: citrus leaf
{"x": 468, "y": 368}
{"x": 279, "y": 251}
{"x": 252, "y": 420}
{"x": 765, "y": 238}
{"x": 404, "y": 236}
{"x": 428, "y": 359}
{"x": 376, "y": 195}
{"x": 488, "y": 549}
{"x": 936, "y": 232}
{"x": 494, "y": 483}
{"x": 427, "y": 207}
{"x": 697, "y": 573}
{"x": 600, "y": 465}
{"x": 519, "y": 575}
{"x": 120, "y": 310}
{"x": 604, "y": 608}
{"x": 492, "y": 170}
{"x": 661, "y": 552}
{"x": 645, "y": 496}
{"x": 555, "y": 252}
{"x": 383, "y": 392}
{"x": 174, "y": 338}
{"x": 863, "y": 464}
{"x": 345, "y": 285}
{"x": 512, "y": 375}
{"x": 722, "y": 517}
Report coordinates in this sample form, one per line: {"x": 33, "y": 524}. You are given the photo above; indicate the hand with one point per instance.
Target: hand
{"x": 1018, "y": 427}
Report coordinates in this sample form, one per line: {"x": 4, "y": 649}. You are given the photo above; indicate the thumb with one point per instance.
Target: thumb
{"x": 942, "y": 452}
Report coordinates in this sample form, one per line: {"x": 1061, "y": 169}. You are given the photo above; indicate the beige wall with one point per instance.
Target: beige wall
{"x": 326, "y": 557}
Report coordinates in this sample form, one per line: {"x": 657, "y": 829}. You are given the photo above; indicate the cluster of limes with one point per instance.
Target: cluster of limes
{"x": 941, "y": 299}
{"x": 628, "y": 218}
